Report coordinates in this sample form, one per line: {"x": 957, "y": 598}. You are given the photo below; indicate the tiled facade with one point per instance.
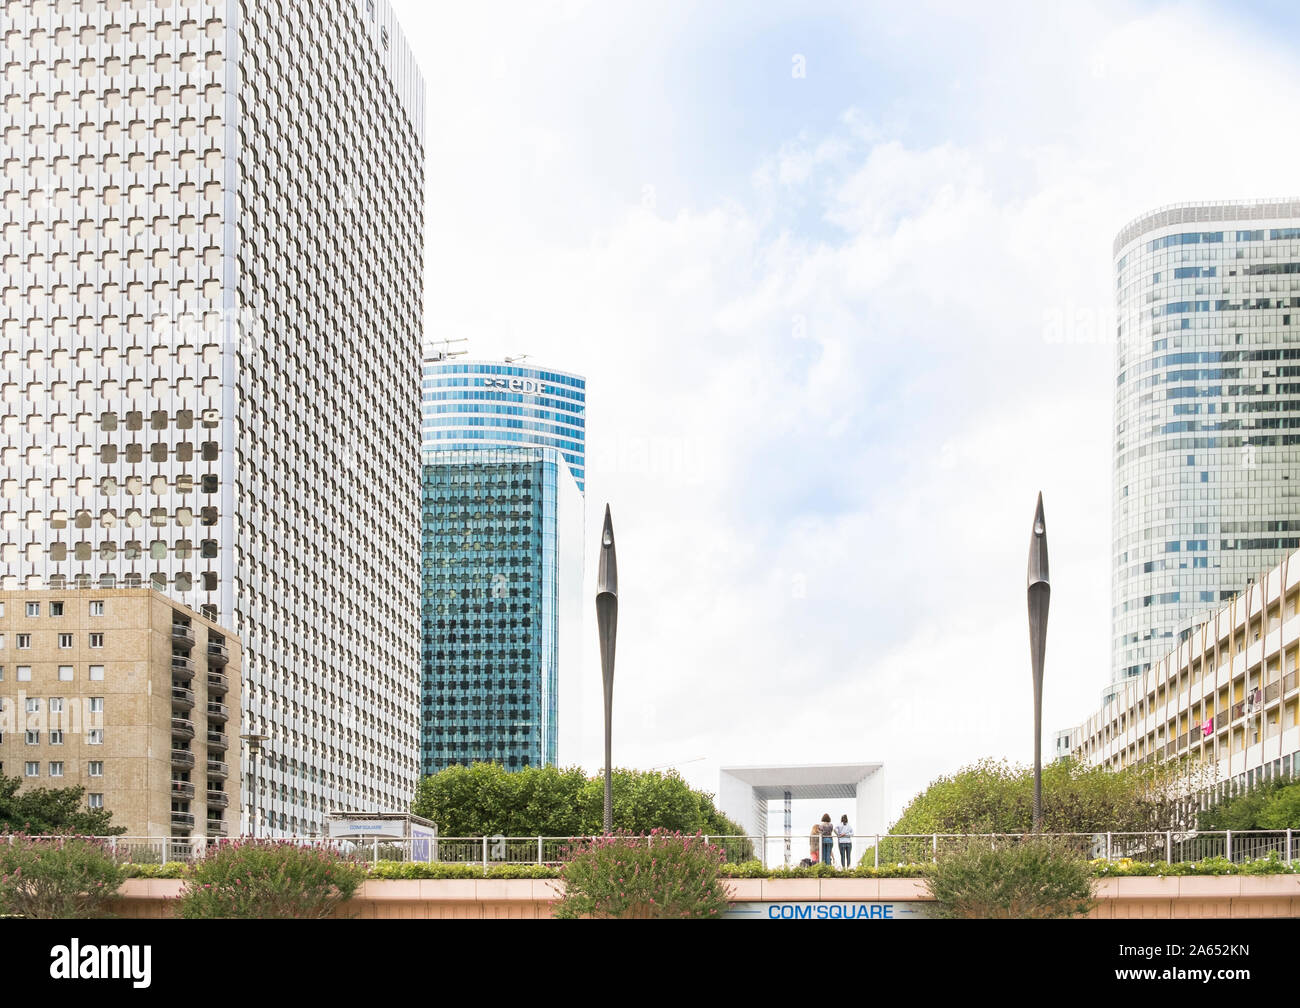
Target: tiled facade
{"x": 129, "y": 695}
{"x": 1207, "y": 415}
{"x": 211, "y": 304}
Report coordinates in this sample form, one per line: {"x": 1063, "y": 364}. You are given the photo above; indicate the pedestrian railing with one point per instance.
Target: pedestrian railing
{"x": 774, "y": 851}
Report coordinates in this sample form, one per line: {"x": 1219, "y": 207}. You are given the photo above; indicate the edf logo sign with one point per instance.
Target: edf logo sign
{"x": 528, "y": 386}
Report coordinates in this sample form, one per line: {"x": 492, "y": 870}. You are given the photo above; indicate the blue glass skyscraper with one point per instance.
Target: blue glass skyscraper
{"x": 502, "y": 539}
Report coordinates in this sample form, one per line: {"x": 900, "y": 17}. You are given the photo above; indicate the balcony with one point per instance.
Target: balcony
{"x": 218, "y": 712}
{"x": 182, "y": 759}
{"x": 217, "y": 770}
{"x": 217, "y": 799}
{"x": 217, "y": 741}
{"x": 218, "y": 684}
{"x": 182, "y": 790}
{"x": 182, "y": 820}
{"x": 216, "y": 827}
{"x": 182, "y": 668}
{"x": 182, "y": 728}
{"x": 218, "y": 654}
{"x": 182, "y": 699}
{"x": 183, "y": 633}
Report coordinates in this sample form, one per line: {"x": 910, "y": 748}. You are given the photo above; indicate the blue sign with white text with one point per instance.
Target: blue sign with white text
{"x": 798, "y": 910}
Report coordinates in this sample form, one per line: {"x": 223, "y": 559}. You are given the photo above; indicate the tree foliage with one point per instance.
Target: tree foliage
{"x": 51, "y": 811}
{"x": 998, "y": 797}
{"x": 1037, "y": 878}
{"x": 46, "y": 877}
{"x": 483, "y": 799}
{"x": 1274, "y": 805}
{"x": 664, "y": 875}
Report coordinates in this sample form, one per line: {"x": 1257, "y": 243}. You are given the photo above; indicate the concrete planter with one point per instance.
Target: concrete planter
{"x": 789, "y": 890}
{"x": 1135, "y": 897}
{"x": 851, "y": 890}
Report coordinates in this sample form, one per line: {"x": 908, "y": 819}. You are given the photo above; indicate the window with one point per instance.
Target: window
{"x": 97, "y": 640}
{"x": 56, "y": 608}
{"x": 56, "y": 705}
{"x": 24, "y": 673}
{"x": 65, "y": 673}
{"x": 56, "y": 736}
{"x": 95, "y": 736}
{"x": 95, "y": 800}
{"x": 24, "y": 641}
{"x": 56, "y": 769}
{"x": 96, "y": 673}
{"x": 33, "y": 609}
{"x": 97, "y": 608}
{"x": 32, "y": 769}
{"x": 65, "y": 640}
{"x": 97, "y": 705}
{"x": 95, "y": 768}
{"x": 33, "y": 738}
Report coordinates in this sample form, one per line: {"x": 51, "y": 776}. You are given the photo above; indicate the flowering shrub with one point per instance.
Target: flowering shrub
{"x": 49, "y": 877}
{"x": 267, "y": 879}
{"x": 1038, "y": 878}
{"x": 627, "y": 875}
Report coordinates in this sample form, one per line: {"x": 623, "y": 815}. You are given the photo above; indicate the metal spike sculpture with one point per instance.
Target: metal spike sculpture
{"x": 607, "y": 628}
{"x": 1040, "y": 594}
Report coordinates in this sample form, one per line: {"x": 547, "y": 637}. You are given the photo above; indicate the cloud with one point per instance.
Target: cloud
{"x": 823, "y": 395}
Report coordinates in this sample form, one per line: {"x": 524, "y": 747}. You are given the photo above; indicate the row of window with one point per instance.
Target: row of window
{"x": 56, "y": 608}
{"x": 109, "y": 486}
{"x": 94, "y": 736}
{"x": 32, "y": 768}
{"x": 33, "y": 705}
{"x": 24, "y": 641}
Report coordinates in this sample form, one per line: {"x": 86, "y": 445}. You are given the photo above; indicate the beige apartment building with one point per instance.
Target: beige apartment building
{"x": 1227, "y": 697}
{"x": 128, "y": 694}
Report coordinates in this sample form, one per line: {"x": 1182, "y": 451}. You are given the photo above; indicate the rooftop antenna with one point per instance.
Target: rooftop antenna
{"x": 446, "y": 351}
{"x": 517, "y": 357}
{"x": 665, "y": 766}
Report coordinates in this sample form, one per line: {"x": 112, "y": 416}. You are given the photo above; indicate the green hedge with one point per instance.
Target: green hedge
{"x": 170, "y": 870}
{"x": 755, "y": 869}
{"x": 446, "y": 870}
{"x": 407, "y": 870}
{"x": 1123, "y": 868}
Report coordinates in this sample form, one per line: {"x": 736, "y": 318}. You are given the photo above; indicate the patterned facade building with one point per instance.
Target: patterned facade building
{"x": 212, "y": 301}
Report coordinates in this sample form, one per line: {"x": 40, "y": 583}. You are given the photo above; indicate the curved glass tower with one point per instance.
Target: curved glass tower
{"x": 480, "y": 404}
{"x": 1207, "y": 414}
{"x": 502, "y": 545}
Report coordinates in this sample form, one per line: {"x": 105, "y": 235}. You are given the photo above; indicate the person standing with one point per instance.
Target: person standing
{"x": 827, "y": 832}
{"x": 845, "y": 833}
{"x": 814, "y": 842}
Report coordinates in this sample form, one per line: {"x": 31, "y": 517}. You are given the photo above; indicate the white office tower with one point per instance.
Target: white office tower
{"x": 212, "y": 302}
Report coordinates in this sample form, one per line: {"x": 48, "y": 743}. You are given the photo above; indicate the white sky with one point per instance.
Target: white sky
{"x": 838, "y": 330}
